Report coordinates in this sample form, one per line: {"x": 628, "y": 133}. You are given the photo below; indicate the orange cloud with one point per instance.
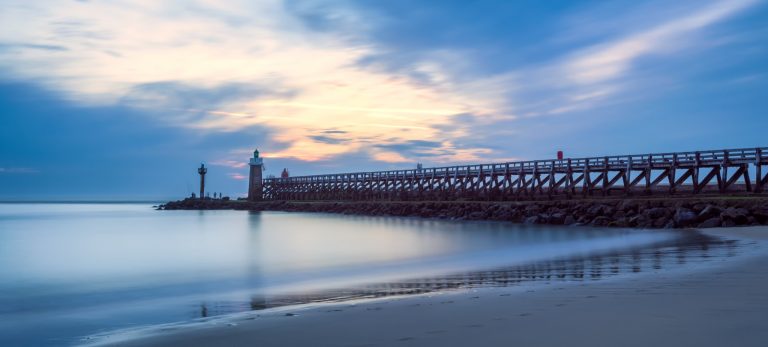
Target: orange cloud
{"x": 237, "y": 176}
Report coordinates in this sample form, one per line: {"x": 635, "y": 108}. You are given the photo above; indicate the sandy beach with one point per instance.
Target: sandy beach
{"x": 714, "y": 304}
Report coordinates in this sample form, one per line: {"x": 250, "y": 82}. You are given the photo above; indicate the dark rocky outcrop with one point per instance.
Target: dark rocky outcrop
{"x": 636, "y": 213}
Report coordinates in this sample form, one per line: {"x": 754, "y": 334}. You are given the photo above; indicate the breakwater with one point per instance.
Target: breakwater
{"x": 637, "y": 213}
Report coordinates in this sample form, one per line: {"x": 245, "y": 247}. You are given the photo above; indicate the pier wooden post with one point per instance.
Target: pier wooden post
{"x": 606, "y": 186}
{"x": 696, "y": 171}
{"x": 587, "y": 182}
{"x": 672, "y": 174}
{"x": 759, "y": 171}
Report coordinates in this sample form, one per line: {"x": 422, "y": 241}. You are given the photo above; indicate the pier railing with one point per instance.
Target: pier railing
{"x": 714, "y": 171}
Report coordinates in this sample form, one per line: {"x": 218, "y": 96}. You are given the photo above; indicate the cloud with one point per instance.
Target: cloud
{"x": 237, "y": 176}
{"x": 235, "y": 164}
{"x": 215, "y": 67}
{"x": 22, "y": 46}
{"x": 185, "y": 95}
{"x": 185, "y": 104}
{"x": 609, "y": 71}
{"x": 334, "y": 131}
{"x": 613, "y": 60}
{"x": 327, "y": 139}
{"x": 330, "y": 79}
{"x": 412, "y": 146}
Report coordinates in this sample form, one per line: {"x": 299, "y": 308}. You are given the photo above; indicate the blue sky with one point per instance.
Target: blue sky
{"x": 124, "y": 99}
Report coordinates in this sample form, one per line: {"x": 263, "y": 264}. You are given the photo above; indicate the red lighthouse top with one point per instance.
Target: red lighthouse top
{"x": 284, "y": 174}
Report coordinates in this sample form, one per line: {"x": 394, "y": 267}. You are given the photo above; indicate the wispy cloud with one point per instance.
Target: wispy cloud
{"x": 604, "y": 72}
{"x": 23, "y": 46}
{"x": 612, "y": 60}
{"x": 235, "y": 164}
{"x": 237, "y": 176}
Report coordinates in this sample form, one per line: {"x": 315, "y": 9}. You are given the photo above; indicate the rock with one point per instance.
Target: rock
{"x": 713, "y": 222}
{"x": 638, "y": 220}
{"x": 503, "y": 215}
{"x": 656, "y": 212}
{"x": 661, "y": 222}
{"x": 569, "y": 220}
{"x": 684, "y": 217}
{"x": 476, "y": 216}
{"x": 628, "y": 205}
{"x": 698, "y": 207}
{"x": 761, "y": 215}
{"x": 556, "y": 218}
{"x": 600, "y": 221}
{"x": 532, "y": 209}
{"x": 531, "y": 220}
{"x": 621, "y": 223}
{"x": 737, "y": 215}
{"x": 595, "y": 210}
{"x": 708, "y": 212}
{"x": 645, "y": 224}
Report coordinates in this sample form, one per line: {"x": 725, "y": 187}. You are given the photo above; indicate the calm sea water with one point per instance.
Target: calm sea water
{"x": 68, "y": 271}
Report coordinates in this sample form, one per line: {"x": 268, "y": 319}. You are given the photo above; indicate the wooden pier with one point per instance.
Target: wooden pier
{"x": 711, "y": 172}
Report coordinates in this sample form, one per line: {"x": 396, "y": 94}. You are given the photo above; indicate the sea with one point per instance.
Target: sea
{"x": 70, "y": 272}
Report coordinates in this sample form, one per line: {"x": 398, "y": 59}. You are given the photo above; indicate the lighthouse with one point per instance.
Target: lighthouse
{"x": 255, "y": 188}
{"x": 202, "y": 171}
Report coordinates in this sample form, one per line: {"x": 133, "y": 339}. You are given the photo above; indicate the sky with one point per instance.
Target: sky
{"x": 122, "y": 100}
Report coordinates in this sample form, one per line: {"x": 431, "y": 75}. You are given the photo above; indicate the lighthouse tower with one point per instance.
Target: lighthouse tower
{"x": 255, "y": 188}
{"x": 202, "y": 171}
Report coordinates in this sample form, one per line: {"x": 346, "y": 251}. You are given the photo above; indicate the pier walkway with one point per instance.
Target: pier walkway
{"x": 711, "y": 172}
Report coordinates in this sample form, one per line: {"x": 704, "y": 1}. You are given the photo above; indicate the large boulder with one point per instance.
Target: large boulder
{"x": 737, "y": 215}
{"x": 596, "y": 210}
{"x": 709, "y": 212}
{"x": 628, "y": 205}
{"x": 684, "y": 217}
{"x": 556, "y": 218}
{"x": 761, "y": 214}
{"x": 661, "y": 222}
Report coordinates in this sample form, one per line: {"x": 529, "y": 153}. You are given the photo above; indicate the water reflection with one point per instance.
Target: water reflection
{"x": 691, "y": 247}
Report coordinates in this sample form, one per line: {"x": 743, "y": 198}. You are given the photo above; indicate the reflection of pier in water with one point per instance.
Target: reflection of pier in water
{"x": 690, "y": 248}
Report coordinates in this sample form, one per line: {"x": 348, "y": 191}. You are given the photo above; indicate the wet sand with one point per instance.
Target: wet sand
{"x": 720, "y": 303}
